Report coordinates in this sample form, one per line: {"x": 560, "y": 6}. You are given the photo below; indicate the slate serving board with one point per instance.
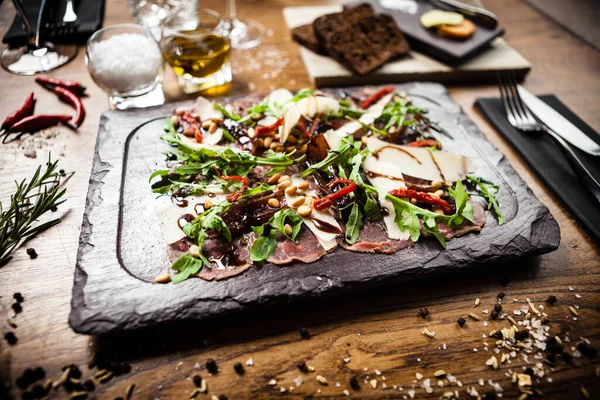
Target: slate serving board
{"x": 121, "y": 247}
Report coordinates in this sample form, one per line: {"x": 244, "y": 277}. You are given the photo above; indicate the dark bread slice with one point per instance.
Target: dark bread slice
{"x": 327, "y": 25}
{"x": 368, "y": 45}
{"x": 305, "y": 36}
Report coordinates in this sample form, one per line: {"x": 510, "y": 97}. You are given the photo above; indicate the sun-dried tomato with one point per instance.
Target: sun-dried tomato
{"x": 422, "y": 197}
{"x": 375, "y": 97}
{"x": 325, "y": 202}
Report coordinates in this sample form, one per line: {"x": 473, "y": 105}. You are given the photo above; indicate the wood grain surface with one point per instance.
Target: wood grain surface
{"x": 377, "y": 330}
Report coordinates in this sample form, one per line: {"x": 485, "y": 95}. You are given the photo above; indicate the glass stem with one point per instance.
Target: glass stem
{"x": 231, "y": 10}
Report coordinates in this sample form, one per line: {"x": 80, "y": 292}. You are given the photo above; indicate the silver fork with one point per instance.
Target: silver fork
{"x": 520, "y": 118}
{"x": 69, "y": 21}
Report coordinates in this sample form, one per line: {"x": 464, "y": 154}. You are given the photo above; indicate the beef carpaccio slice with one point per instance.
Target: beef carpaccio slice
{"x": 307, "y": 249}
{"x": 373, "y": 238}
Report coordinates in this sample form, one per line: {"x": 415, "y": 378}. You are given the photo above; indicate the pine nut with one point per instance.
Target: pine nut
{"x": 304, "y": 211}
{"x": 206, "y": 124}
{"x": 208, "y": 204}
{"x": 212, "y": 128}
{"x": 303, "y": 186}
{"x": 436, "y": 184}
{"x": 268, "y": 141}
{"x": 283, "y": 178}
{"x": 392, "y": 130}
{"x": 163, "y": 278}
{"x": 251, "y": 133}
{"x": 289, "y": 149}
{"x": 273, "y": 202}
{"x": 292, "y": 139}
{"x": 256, "y": 117}
{"x": 194, "y": 251}
{"x": 283, "y": 185}
{"x": 298, "y": 202}
{"x": 189, "y": 132}
{"x": 274, "y": 145}
{"x": 438, "y": 210}
{"x": 288, "y": 229}
{"x": 439, "y": 193}
{"x": 274, "y": 179}
{"x": 291, "y": 189}
{"x": 196, "y": 116}
{"x": 303, "y": 148}
{"x": 217, "y": 120}
{"x": 260, "y": 143}
{"x": 364, "y": 139}
{"x": 413, "y": 201}
{"x": 175, "y": 120}
{"x": 279, "y": 149}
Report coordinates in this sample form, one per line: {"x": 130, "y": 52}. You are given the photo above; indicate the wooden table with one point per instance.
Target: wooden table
{"x": 377, "y": 330}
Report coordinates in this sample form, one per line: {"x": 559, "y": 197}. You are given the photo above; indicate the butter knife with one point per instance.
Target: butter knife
{"x": 486, "y": 17}
{"x": 559, "y": 124}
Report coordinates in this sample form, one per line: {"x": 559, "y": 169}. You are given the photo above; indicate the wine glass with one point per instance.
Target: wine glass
{"x": 242, "y": 34}
{"x": 35, "y": 57}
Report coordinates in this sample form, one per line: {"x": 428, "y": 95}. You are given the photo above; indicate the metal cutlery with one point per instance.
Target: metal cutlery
{"x": 486, "y": 17}
{"x": 68, "y": 24}
{"x": 562, "y": 126}
{"x": 521, "y": 118}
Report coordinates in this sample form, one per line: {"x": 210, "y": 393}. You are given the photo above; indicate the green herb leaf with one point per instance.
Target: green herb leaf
{"x": 287, "y": 216}
{"x": 263, "y": 247}
{"x": 354, "y": 224}
{"x": 464, "y": 210}
{"x": 226, "y": 113}
{"x": 228, "y": 135}
{"x": 186, "y": 266}
{"x": 485, "y": 189}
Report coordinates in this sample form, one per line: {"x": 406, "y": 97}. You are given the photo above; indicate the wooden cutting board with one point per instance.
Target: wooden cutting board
{"x": 122, "y": 248}
{"x": 325, "y": 71}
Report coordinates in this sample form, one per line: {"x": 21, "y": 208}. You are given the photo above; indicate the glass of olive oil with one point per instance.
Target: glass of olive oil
{"x": 195, "y": 46}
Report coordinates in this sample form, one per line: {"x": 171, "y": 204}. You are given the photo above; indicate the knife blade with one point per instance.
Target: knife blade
{"x": 486, "y": 17}
{"x": 559, "y": 124}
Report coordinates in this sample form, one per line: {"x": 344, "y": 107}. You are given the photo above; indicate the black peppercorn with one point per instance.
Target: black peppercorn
{"x": 587, "y": 349}
{"x": 22, "y": 383}
{"x": 18, "y": 297}
{"x": 529, "y": 371}
{"x": 62, "y": 172}
{"x": 551, "y": 300}
{"x": 32, "y": 253}
{"x": 38, "y": 391}
{"x": 171, "y": 156}
{"x": 423, "y": 312}
{"x": 303, "y": 367}
{"x": 354, "y": 383}
{"x": 39, "y": 373}
{"x": 239, "y": 368}
{"x": 489, "y": 396}
{"x": 211, "y": 366}
{"x": 497, "y": 308}
{"x": 521, "y": 335}
{"x": 89, "y": 385}
{"x": 118, "y": 398}
{"x": 461, "y": 321}
{"x": 54, "y": 209}
{"x": 27, "y": 395}
{"x": 501, "y": 295}
{"x": 222, "y": 397}
{"x": 567, "y": 357}
{"x": 197, "y": 379}
{"x": 494, "y": 314}
{"x": 11, "y": 338}
{"x": 497, "y": 335}
{"x": 29, "y": 375}
{"x": 304, "y": 333}
{"x": 75, "y": 372}
{"x": 17, "y": 308}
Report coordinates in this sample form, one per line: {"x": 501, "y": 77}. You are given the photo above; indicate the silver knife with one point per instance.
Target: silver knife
{"x": 559, "y": 124}
{"x": 486, "y": 17}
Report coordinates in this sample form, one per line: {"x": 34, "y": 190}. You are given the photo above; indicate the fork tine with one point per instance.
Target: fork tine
{"x": 508, "y": 107}
{"x": 525, "y": 110}
{"x": 512, "y": 98}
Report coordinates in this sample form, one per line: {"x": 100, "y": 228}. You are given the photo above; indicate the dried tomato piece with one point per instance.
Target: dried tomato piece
{"x": 325, "y": 202}
{"x": 422, "y": 197}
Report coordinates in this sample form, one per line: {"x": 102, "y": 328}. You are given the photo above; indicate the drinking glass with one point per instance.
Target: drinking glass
{"x": 36, "y": 56}
{"x": 126, "y": 62}
{"x": 242, "y": 34}
{"x": 196, "y": 48}
{"x": 152, "y": 13}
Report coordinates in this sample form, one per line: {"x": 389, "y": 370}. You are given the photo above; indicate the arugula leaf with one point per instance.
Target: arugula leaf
{"x": 185, "y": 266}
{"x": 228, "y": 135}
{"x": 484, "y": 188}
{"x": 265, "y": 245}
{"x": 169, "y": 126}
{"x": 226, "y": 113}
{"x": 354, "y": 224}
{"x": 408, "y": 215}
{"x": 371, "y": 204}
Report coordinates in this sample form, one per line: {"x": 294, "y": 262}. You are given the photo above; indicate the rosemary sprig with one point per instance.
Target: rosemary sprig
{"x": 29, "y": 202}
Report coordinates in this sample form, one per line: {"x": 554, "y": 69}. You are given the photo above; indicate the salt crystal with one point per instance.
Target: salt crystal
{"x": 125, "y": 62}
{"x": 250, "y": 362}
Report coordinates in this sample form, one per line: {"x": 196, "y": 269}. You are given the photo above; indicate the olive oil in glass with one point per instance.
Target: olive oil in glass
{"x": 200, "y": 55}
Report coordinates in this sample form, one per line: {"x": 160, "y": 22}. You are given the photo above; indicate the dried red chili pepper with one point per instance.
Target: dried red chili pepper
{"x": 50, "y": 83}
{"x": 24, "y": 111}
{"x": 426, "y": 143}
{"x": 72, "y": 99}
{"x": 325, "y": 202}
{"x": 375, "y": 97}
{"x": 265, "y": 130}
{"x": 422, "y": 197}
{"x": 37, "y": 122}
{"x": 234, "y": 196}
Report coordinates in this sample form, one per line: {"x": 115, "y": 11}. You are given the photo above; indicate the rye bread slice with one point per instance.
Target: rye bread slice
{"x": 327, "y": 25}
{"x": 305, "y": 36}
{"x": 368, "y": 45}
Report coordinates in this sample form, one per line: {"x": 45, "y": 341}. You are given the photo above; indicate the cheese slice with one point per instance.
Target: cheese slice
{"x": 334, "y": 137}
{"x": 326, "y": 239}
{"x": 309, "y": 107}
{"x": 169, "y": 213}
{"x": 396, "y": 161}
{"x": 279, "y": 101}
{"x": 206, "y": 110}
